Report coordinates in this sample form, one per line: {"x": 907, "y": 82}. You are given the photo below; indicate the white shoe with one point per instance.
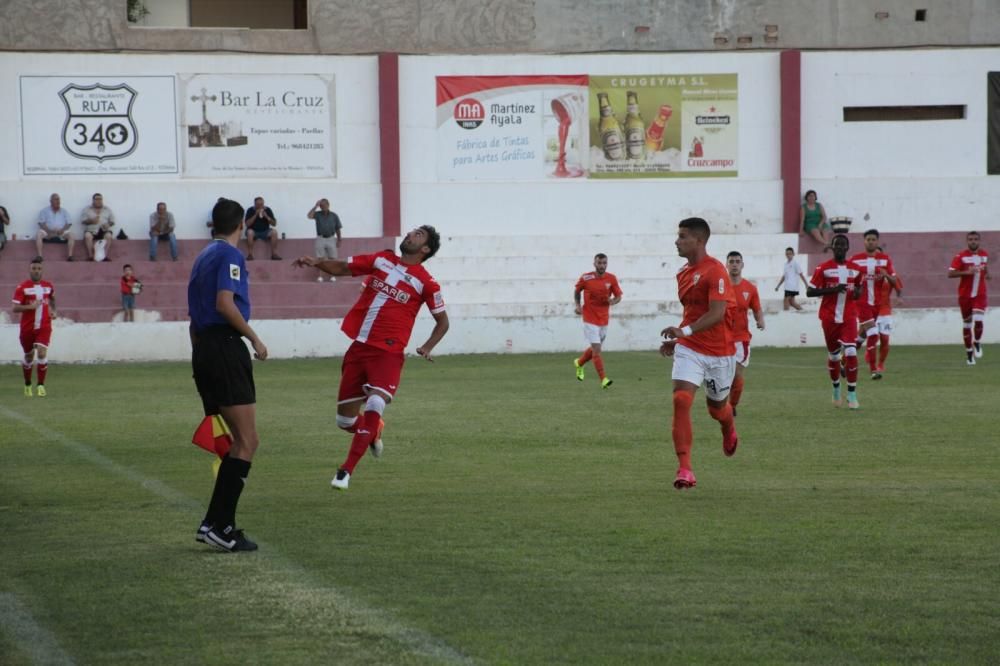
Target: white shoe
{"x": 979, "y": 350}
{"x": 333, "y": 279}
{"x": 341, "y": 480}
{"x": 376, "y": 448}
{"x": 319, "y": 279}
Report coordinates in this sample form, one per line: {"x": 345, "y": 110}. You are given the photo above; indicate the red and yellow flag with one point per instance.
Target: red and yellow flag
{"x": 213, "y": 435}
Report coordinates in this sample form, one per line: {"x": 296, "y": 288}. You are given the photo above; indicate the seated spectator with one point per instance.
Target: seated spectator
{"x": 97, "y": 221}
{"x": 54, "y": 227}
{"x": 161, "y": 227}
{"x": 4, "y": 221}
{"x": 261, "y": 225}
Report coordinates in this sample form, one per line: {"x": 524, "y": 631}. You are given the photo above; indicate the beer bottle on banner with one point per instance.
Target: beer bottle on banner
{"x": 612, "y": 138}
{"x": 654, "y": 135}
{"x": 635, "y": 129}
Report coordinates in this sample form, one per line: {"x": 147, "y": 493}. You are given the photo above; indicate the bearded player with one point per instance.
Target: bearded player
{"x": 876, "y": 268}
{"x": 747, "y": 300}
{"x": 970, "y": 267}
{"x": 600, "y": 290}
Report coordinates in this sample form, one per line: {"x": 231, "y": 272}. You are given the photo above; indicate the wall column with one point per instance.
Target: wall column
{"x": 388, "y": 107}
{"x": 791, "y": 138}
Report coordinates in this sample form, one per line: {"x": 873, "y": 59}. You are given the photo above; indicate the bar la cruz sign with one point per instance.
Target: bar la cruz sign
{"x": 99, "y": 123}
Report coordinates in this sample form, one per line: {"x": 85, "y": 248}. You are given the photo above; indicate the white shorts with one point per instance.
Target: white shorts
{"x": 742, "y": 353}
{"x": 716, "y": 372}
{"x": 884, "y": 324}
{"x": 326, "y": 248}
{"x": 594, "y": 334}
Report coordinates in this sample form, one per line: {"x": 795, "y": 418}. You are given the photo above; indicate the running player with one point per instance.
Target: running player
{"x": 883, "y": 322}
{"x": 971, "y": 266}
{"x": 876, "y": 267}
{"x": 35, "y": 301}
{"x": 602, "y": 291}
{"x": 747, "y": 301}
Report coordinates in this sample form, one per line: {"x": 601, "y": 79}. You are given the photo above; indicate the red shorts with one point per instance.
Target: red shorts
{"x": 366, "y": 368}
{"x": 35, "y": 336}
{"x": 967, "y": 305}
{"x": 866, "y": 312}
{"x": 838, "y": 335}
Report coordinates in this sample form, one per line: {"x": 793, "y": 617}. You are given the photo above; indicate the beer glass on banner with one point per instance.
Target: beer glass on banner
{"x": 568, "y": 109}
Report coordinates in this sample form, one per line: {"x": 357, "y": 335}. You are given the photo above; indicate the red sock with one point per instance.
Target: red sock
{"x": 883, "y": 350}
{"x": 682, "y": 427}
{"x": 363, "y": 436}
{"x": 852, "y": 371}
{"x": 736, "y": 391}
{"x": 43, "y": 367}
{"x": 585, "y": 356}
{"x": 977, "y": 330}
{"x": 834, "y": 368}
{"x": 26, "y": 371}
{"x": 870, "y": 343}
{"x": 599, "y": 364}
{"x": 967, "y": 336}
{"x": 724, "y": 415}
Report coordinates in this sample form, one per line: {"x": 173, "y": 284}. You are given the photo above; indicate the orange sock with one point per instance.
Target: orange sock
{"x": 682, "y": 427}
{"x": 736, "y": 391}
{"x": 599, "y": 364}
{"x": 585, "y": 356}
{"x": 724, "y": 415}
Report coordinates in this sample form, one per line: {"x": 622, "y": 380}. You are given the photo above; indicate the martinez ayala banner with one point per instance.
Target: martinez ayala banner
{"x": 252, "y": 125}
{"x": 511, "y": 127}
{"x": 661, "y": 126}
{"x": 97, "y": 125}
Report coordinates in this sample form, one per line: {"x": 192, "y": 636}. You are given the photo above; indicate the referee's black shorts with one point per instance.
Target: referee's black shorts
{"x": 223, "y": 371}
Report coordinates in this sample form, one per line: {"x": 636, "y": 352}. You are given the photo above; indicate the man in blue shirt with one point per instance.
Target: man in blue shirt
{"x": 219, "y": 307}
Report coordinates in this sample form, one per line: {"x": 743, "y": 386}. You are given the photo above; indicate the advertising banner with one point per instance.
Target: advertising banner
{"x": 662, "y": 126}
{"x": 258, "y": 125}
{"x": 95, "y": 125}
{"x": 511, "y": 127}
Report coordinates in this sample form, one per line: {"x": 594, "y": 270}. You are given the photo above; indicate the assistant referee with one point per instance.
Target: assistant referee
{"x": 219, "y": 307}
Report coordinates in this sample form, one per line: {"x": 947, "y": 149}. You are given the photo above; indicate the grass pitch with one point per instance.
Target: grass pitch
{"x": 518, "y": 516}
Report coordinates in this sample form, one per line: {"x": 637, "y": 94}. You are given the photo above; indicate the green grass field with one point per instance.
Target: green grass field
{"x": 517, "y": 517}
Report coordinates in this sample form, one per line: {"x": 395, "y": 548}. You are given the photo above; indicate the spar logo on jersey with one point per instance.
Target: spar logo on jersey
{"x": 394, "y": 293}
{"x": 469, "y": 113}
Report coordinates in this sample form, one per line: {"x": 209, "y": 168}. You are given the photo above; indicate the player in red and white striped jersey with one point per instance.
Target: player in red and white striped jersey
{"x": 971, "y": 266}
{"x": 35, "y": 300}
{"x": 876, "y": 267}
{"x": 838, "y": 281}
{"x": 380, "y": 323}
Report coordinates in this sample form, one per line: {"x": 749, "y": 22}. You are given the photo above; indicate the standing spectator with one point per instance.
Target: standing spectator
{"x": 261, "y": 225}
{"x": 702, "y": 346}
{"x": 219, "y": 307}
{"x": 812, "y": 219}
{"x": 130, "y": 288}
{"x": 97, "y": 222}
{"x": 790, "y": 277}
{"x": 969, "y": 266}
{"x": 4, "y": 221}
{"x": 54, "y": 227}
{"x": 327, "y": 226}
{"x": 602, "y": 291}
{"x": 380, "y": 323}
{"x": 35, "y": 300}
{"x": 161, "y": 227}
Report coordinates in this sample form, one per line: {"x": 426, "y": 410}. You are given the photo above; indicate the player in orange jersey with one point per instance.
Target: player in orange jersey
{"x": 602, "y": 291}
{"x": 884, "y": 319}
{"x": 747, "y": 301}
{"x": 702, "y": 346}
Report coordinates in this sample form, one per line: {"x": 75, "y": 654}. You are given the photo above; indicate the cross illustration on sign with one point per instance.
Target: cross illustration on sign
{"x": 203, "y": 98}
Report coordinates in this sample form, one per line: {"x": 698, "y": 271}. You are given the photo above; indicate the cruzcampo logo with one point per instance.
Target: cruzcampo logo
{"x": 99, "y": 123}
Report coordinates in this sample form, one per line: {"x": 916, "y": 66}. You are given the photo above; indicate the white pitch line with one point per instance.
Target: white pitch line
{"x": 36, "y": 641}
{"x": 271, "y": 560}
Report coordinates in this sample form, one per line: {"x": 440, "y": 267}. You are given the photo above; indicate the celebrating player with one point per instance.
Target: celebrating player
{"x": 35, "y": 300}
{"x": 970, "y": 266}
{"x": 876, "y": 267}
{"x": 702, "y": 346}
{"x": 746, "y": 300}
{"x": 380, "y": 323}
{"x": 838, "y": 281}
{"x": 602, "y": 291}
